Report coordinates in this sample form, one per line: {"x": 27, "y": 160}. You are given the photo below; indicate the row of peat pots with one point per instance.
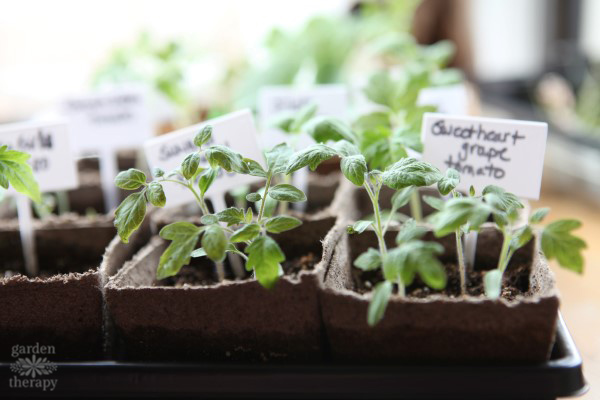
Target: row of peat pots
{"x": 116, "y": 309}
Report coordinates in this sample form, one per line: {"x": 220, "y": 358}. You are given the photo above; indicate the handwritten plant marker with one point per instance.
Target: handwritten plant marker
{"x": 53, "y": 166}
{"x": 488, "y": 151}
{"x": 273, "y": 101}
{"x": 235, "y": 130}
{"x": 104, "y": 122}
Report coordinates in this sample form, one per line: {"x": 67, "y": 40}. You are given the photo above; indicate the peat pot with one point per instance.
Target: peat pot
{"x": 192, "y": 317}
{"x": 443, "y": 326}
{"x": 62, "y": 307}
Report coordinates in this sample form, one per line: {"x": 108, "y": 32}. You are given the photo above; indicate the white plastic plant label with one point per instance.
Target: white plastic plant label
{"x": 235, "y": 130}
{"x": 449, "y": 99}
{"x": 488, "y": 151}
{"x": 108, "y": 120}
{"x": 51, "y": 154}
{"x": 331, "y": 100}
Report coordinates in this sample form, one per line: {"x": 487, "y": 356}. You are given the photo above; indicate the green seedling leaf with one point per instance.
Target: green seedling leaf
{"x": 207, "y": 178}
{"x": 15, "y": 170}
{"x": 435, "y": 202}
{"x": 379, "y": 302}
{"x": 281, "y": 224}
{"x": 558, "y": 243}
{"x": 381, "y": 89}
{"x": 354, "y": 168}
{"x": 449, "y": 181}
{"x": 131, "y": 179}
{"x": 346, "y": 149}
{"x": 500, "y": 199}
{"x": 253, "y": 197}
{"x": 492, "y": 283}
{"x": 302, "y": 116}
{"x": 538, "y": 215}
{"x": 158, "y": 172}
{"x": 472, "y": 191}
{"x": 287, "y": 192}
{"x": 214, "y": 243}
{"x": 311, "y": 156}
{"x": 209, "y": 219}
{"x": 369, "y": 260}
{"x": 203, "y": 136}
{"x": 278, "y": 157}
{"x": 231, "y": 216}
{"x": 254, "y": 168}
{"x": 183, "y": 237}
{"x": 248, "y": 215}
{"x": 264, "y": 256}
{"x": 410, "y": 231}
{"x": 130, "y": 215}
{"x": 246, "y": 232}
{"x": 190, "y": 165}
{"x": 198, "y": 253}
{"x": 402, "y": 197}
{"x": 458, "y": 212}
{"x": 358, "y": 227}
{"x": 156, "y": 195}
{"x": 410, "y": 172}
{"x": 224, "y": 157}
{"x": 324, "y": 129}
{"x": 372, "y": 121}
{"x": 521, "y": 237}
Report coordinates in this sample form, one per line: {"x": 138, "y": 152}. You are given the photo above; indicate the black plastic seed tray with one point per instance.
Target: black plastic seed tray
{"x": 561, "y": 376}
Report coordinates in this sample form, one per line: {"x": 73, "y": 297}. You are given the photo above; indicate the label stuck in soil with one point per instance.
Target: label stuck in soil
{"x": 116, "y": 119}
{"x": 487, "y": 151}
{"x": 331, "y": 100}
{"x": 51, "y": 159}
{"x": 235, "y": 130}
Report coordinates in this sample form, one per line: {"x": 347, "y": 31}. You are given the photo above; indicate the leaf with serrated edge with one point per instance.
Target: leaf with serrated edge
{"x": 449, "y": 181}
{"x": 130, "y": 215}
{"x": 410, "y": 172}
{"x": 183, "y": 237}
{"x": 264, "y": 256}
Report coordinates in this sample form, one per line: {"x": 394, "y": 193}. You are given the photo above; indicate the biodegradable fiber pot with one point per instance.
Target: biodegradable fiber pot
{"x": 63, "y": 306}
{"x": 440, "y": 327}
{"x": 234, "y": 319}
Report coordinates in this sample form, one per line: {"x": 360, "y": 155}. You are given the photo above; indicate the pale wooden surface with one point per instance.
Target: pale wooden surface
{"x": 580, "y": 295}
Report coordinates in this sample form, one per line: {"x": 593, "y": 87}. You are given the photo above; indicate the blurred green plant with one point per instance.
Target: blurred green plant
{"x": 161, "y": 64}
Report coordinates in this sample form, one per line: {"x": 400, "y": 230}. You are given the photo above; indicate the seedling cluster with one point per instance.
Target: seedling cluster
{"x": 245, "y": 234}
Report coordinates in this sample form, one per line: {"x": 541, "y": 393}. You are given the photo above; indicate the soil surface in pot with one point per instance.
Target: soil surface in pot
{"x": 302, "y": 247}
{"x": 516, "y": 282}
{"x": 202, "y": 272}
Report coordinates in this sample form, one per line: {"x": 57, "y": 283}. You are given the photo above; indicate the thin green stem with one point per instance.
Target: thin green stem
{"x": 504, "y": 253}
{"x": 199, "y": 198}
{"x": 264, "y": 198}
{"x": 461, "y": 262}
{"x": 415, "y": 206}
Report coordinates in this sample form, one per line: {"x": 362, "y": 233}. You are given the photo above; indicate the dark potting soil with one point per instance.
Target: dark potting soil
{"x": 515, "y": 282}
{"x": 202, "y": 272}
